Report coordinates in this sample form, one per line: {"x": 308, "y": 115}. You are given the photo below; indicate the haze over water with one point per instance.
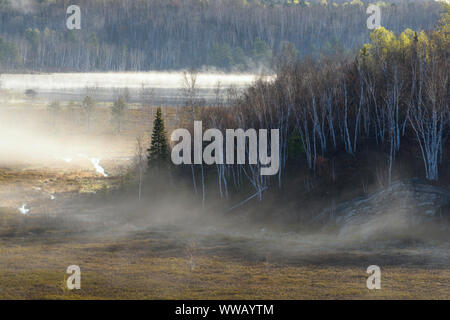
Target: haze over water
{"x": 165, "y": 87}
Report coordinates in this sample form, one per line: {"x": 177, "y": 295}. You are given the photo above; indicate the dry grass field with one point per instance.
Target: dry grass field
{"x": 32, "y": 266}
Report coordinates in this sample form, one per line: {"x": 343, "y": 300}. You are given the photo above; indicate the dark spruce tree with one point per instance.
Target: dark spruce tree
{"x": 159, "y": 150}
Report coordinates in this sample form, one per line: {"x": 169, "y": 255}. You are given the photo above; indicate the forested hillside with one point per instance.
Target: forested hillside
{"x": 174, "y": 34}
{"x": 349, "y": 123}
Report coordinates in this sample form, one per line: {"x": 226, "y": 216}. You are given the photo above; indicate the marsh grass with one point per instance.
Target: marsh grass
{"x": 133, "y": 268}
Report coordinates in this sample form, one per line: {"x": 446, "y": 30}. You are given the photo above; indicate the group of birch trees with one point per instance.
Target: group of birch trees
{"x": 395, "y": 90}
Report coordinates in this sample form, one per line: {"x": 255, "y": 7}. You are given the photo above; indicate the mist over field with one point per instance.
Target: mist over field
{"x": 86, "y": 170}
{"x": 131, "y": 80}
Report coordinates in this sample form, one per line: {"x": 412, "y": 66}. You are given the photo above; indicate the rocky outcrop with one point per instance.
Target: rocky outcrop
{"x": 404, "y": 207}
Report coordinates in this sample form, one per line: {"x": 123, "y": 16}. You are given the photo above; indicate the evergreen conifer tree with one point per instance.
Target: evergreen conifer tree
{"x": 159, "y": 149}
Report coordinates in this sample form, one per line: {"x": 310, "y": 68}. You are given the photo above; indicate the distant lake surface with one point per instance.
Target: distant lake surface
{"x": 159, "y": 88}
